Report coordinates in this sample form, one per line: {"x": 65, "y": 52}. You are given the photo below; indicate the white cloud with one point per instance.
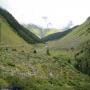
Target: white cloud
{"x": 60, "y": 12}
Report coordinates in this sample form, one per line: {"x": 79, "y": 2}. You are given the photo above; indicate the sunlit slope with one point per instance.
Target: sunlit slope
{"x": 52, "y": 31}
{"x": 19, "y": 29}
{"x": 74, "y": 38}
{"x": 58, "y": 35}
{"x": 37, "y": 30}
{"x": 8, "y": 36}
{"x": 33, "y": 28}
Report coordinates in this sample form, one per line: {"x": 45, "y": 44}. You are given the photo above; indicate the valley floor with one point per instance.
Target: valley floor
{"x": 29, "y": 70}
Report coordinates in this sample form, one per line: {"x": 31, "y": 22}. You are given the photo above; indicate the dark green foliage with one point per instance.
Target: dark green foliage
{"x": 34, "y": 51}
{"x": 88, "y": 30}
{"x": 11, "y": 64}
{"x": 20, "y": 30}
{"x": 83, "y": 58}
{"x": 14, "y": 49}
{"x": 48, "y": 52}
{"x": 69, "y": 61}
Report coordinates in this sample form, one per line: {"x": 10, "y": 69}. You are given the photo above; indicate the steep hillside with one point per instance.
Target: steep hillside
{"x": 78, "y": 41}
{"x": 82, "y": 57}
{"x": 7, "y": 34}
{"x": 74, "y": 38}
{"x": 20, "y": 30}
{"x": 57, "y": 35}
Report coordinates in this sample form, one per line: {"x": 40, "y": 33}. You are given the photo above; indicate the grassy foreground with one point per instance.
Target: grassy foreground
{"x": 38, "y": 71}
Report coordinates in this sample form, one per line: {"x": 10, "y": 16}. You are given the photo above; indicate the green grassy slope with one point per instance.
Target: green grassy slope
{"x": 77, "y": 36}
{"x": 52, "y": 31}
{"x": 8, "y": 36}
{"x": 39, "y": 71}
{"x": 21, "y": 31}
{"x": 78, "y": 41}
{"x": 36, "y": 30}
{"x": 58, "y": 35}
{"x": 33, "y": 28}
{"x": 63, "y": 69}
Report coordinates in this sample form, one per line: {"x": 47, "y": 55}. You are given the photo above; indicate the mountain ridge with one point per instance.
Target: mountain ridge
{"x": 21, "y": 31}
{"x": 58, "y": 35}
{"x": 37, "y": 30}
{"x": 74, "y": 38}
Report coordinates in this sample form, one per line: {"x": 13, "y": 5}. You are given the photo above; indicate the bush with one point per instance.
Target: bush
{"x": 48, "y": 52}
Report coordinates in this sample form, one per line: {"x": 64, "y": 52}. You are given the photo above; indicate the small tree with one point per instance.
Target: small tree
{"x": 48, "y": 52}
{"x": 34, "y": 51}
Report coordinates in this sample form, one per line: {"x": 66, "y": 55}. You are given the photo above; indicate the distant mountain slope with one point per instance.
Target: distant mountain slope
{"x": 17, "y": 28}
{"x": 37, "y": 30}
{"x": 74, "y": 38}
{"x": 52, "y": 31}
{"x": 58, "y": 35}
{"x": 33, "y": 28}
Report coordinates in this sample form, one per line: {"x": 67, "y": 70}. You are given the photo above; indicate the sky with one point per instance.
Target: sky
{"x": 58, "y": 12}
